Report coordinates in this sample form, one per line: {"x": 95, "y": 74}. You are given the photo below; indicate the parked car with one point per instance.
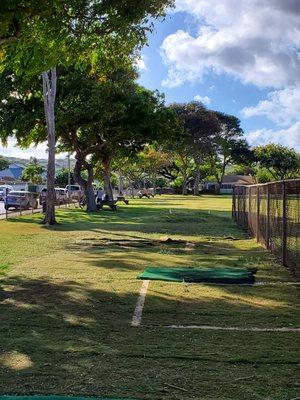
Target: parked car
{"x": 4, "y": 190}
{"x": 61, "y": 196}
{"x": 75, "y": 192}
{"x": 20, "y": 200}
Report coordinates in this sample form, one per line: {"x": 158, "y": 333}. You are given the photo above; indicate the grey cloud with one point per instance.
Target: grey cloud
{"x": 260, "y": 45}
{"x": 235, "y": 57}
{"x": 291, "y": 6}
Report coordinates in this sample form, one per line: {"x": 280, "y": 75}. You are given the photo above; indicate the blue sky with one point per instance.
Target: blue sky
{"x": 226, "y": 93}
{"x": 241, "y": 57}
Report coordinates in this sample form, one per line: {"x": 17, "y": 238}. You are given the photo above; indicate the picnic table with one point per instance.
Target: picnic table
{"x": 112, "y": 204}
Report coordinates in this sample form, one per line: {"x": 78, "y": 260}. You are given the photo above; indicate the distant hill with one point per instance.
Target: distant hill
{"x": 59, "y": 163}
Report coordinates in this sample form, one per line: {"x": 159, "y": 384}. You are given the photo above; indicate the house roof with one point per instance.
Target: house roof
{"x": 7, "y": 174}
{"x": 14, "y": 165}
{"x": 13, "y": 172}
{"x": 239, "y": 179}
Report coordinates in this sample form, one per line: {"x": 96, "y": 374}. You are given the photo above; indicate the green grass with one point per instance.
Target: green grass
{"x": 68, "y": 293}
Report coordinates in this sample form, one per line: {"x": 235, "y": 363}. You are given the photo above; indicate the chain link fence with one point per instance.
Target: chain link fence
{"x": 23, "y": 207}
{"x": 271, "y": 213}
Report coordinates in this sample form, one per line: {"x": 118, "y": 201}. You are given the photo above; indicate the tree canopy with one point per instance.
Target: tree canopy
{"x": 281, "y": 162}
{"x": 37, "y": 36}
{"x": 33, "y": 172}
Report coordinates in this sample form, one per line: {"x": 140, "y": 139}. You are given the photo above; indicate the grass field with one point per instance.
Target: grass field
{"x": 68, "y": 294}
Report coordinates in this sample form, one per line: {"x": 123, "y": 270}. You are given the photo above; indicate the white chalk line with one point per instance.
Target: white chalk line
{"x": 224, "y": 328}
{"x": 259, "y": 283}
{"x": 138, "y": 312}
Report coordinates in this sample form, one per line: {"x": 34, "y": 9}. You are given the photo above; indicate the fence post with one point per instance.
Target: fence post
{"x": 268, "y": 218}
{"x": 284, "y": 224}
{"x": 257, "y": 213}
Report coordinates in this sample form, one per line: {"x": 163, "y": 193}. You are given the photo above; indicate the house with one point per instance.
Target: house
{"x": 12, "y": 173}
{"x": 229, "y": 181}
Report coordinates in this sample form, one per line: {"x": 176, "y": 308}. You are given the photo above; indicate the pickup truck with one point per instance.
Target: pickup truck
{"x": 75, "y": 192}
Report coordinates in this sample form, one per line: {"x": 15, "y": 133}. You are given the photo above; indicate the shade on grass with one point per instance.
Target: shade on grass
{"x": 209, "y": 275}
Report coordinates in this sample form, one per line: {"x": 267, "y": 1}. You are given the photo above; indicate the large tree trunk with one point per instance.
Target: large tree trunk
{"x": 106, "y": 177}
{"x": 49, "y": 93}
{"x": 86, "y": 184}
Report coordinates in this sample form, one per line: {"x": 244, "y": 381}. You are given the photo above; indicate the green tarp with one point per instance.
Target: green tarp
{"x": 209, "y": 275}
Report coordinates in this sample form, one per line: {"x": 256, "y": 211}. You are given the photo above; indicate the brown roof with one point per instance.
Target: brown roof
{"x": 239, "y": 179}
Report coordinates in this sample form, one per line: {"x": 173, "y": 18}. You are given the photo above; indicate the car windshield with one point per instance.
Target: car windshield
{"x": 73, "y": 187}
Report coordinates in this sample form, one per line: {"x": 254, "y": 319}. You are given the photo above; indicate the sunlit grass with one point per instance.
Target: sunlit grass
{"x": 68, "y": 293}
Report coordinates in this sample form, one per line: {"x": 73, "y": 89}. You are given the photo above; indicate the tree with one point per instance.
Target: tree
{"x": 37, "y": 36}
{"x": 281, "y": 162}
{"x": 200, "y": 127}
{"x": 230, "y": 146}
{"x": 62, "y": 177}
{"x": 93, "y": 117}
{"x": 182, "y": 165}
{"x": 152, "y": 161}
{"x": 3, "y": 163}
{"x": 33, "y": 172}
{"x": 130, "y": 168}
{"x": 140, "y": 118}
{"x": 102, "y": 120}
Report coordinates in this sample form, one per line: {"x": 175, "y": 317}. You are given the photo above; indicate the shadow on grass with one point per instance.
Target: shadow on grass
{"x": 148, "y": 220}
{"x": 74, "y": 337}
{"x": 69, "y": 338}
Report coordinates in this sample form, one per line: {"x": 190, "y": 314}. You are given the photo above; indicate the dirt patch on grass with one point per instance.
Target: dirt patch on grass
{"x": 100, "y": 242}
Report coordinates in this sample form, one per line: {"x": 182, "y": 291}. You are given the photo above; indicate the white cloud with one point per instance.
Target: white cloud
{"x": 12, "y": 150}
{"x": 281, "y": 107}
{"x": 289, "y": 137}
{"x": 256, "y": 41}
{"x": 141, "y": 63}
{"x": 203, "y": 99}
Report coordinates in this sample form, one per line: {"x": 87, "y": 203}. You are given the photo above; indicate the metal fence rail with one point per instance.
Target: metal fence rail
{"x": 271, "y": 213}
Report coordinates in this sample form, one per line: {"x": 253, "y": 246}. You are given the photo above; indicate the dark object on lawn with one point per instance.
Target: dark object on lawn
{"x": 172, "y": 241}
{"x": 106, "y": 202}
{"x": 124, "y": 243}
{"x": 111, "y": 204}
{"x": 137, "y": 242}
{"x": 208, "y": 275}
{"x": 122, "y": 198}
{"x": 145, "y": 193}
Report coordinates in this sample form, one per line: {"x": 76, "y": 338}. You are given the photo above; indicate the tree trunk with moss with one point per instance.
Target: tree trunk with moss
{"x": 86, "y": 184}
{"x": 106, "y": 160}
